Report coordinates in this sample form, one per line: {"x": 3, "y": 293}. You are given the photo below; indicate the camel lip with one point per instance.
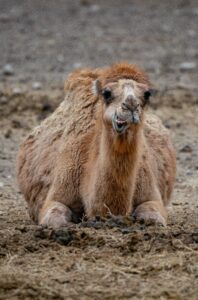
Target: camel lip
{"x": 120, "y": 120}
{"x": 119, "y": 124}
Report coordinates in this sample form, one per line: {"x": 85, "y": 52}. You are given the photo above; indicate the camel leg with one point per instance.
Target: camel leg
{"x": 151, "y": 210}
{"x": 55, "y": 211}
{"x": 63, "y": 195}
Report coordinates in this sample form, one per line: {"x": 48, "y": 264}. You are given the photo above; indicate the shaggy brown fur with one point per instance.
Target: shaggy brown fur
{"x": 98, "y": 152}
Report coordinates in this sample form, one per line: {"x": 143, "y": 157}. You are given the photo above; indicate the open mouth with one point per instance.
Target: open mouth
{"x": 119, "y": 124}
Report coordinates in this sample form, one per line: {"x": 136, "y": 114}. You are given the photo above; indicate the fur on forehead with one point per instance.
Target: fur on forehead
{"x": 122, "y": 71}
{"x": 117, "y": 72}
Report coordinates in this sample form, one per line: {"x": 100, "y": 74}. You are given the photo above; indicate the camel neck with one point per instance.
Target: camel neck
{"x": 119, "y": 154}
{"x": 114, "y": 172}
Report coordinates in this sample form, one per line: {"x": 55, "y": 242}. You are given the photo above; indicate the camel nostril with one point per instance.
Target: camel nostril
{"x": 127, "y": 106}
{"x": 124, "y": 106}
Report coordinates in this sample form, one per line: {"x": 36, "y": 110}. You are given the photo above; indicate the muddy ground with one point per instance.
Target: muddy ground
{"x": 114, "y": 258}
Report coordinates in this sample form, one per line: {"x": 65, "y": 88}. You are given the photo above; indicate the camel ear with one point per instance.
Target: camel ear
{"x": 96, "y": 87}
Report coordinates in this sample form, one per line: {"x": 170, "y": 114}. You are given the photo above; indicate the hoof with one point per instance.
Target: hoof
{"x": 56, "y": 215}
{"x": 150, "y": 215}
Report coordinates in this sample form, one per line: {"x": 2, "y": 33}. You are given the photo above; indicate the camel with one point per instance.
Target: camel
{"x": 99, "y": 152}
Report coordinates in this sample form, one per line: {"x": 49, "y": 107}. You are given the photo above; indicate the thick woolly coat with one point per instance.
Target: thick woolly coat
{"x": 65, "y": 158}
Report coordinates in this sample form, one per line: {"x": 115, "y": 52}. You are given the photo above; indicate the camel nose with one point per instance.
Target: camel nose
{"x": 129, "y": 103}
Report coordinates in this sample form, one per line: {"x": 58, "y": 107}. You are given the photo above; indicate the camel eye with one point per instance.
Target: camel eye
{"x": 107, "y": 95}
{"x": 147, "y": 95}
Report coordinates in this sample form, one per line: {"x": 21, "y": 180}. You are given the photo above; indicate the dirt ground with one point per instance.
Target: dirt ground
{"x": 113, "y": 258}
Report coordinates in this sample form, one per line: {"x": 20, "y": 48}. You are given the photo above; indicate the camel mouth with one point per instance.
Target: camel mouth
{"x": 119, "y": 124}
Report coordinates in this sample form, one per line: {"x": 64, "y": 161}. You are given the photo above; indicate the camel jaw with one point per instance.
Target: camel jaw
{"x": 121, "y": 124}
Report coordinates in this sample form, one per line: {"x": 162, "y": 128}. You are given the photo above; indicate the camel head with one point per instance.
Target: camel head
{"x": 124, "y": 96}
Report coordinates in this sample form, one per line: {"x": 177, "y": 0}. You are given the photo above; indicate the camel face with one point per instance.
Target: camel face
{"x": 124, "y": 102}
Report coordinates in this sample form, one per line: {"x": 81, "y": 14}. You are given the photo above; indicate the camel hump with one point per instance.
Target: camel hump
{"x": 154, "y": 124}
{"x": 80, "y": 78}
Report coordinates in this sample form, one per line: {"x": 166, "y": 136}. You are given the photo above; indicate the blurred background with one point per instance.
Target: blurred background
{"x": 44, "y": 40}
